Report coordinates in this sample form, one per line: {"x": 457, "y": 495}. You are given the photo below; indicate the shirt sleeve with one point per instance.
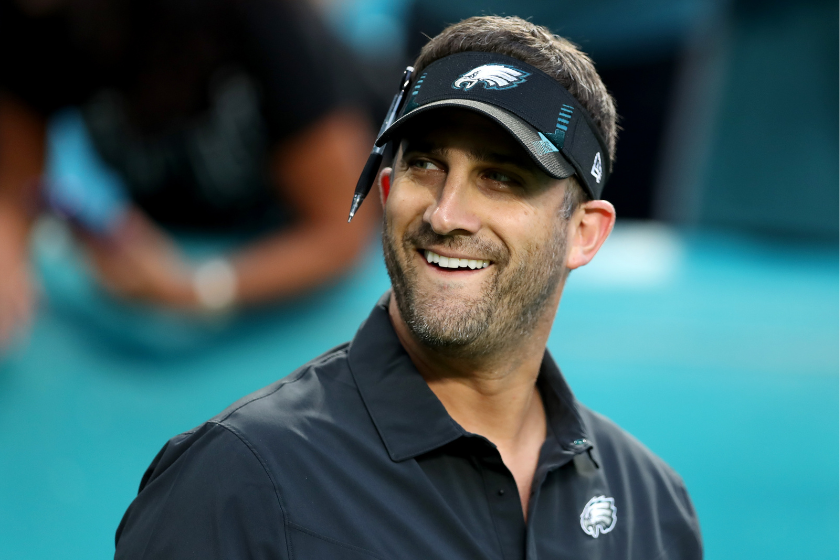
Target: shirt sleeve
{"x": 206, "y": 495}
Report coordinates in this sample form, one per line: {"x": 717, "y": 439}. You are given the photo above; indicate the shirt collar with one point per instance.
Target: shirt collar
{"x": 410, "y": 418}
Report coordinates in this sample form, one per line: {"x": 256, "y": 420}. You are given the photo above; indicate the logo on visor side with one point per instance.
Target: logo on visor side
{"x": 599, "y": 516}
{"x": 491, "y": 76}
{"x": 597, "y": 169}
{"x": 544, "y": 145}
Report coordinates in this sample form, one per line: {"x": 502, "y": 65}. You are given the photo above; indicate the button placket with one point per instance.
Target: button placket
{"x": 505, "y": 506}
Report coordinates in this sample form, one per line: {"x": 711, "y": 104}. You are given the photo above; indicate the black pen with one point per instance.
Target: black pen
{"x": 368, "y": 176}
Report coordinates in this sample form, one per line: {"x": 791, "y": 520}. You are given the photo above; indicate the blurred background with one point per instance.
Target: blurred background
{"x": 148, "y": 149}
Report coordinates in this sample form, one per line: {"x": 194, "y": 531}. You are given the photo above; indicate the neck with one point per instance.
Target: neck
{"x": 493, "y": 395}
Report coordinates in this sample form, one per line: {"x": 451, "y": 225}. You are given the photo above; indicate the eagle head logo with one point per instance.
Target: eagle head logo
{"x": 491, "y": 76}
{"x": 598, "y": 516}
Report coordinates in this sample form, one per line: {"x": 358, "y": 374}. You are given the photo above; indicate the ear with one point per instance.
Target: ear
{"x": 588, "y": 229}
{"x": 384, "y": 183}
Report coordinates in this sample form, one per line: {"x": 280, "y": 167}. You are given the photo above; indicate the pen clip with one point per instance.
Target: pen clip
{"x": 396, "y": 103}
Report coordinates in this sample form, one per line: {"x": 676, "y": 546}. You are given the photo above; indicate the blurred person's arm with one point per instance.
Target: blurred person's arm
{"x": 319, "y": 151}
{"x": 316, "y": 172}
{"x": 306, "y": 76}
{"x": 22, "y": 154}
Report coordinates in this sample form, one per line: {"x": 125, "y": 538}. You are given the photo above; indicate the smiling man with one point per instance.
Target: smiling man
{"x": 444, "y": 429}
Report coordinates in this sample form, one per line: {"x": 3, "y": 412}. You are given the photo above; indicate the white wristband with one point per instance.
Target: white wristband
{"x": 215, "y": 284}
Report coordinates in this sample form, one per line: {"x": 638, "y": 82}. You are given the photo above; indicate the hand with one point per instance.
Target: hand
{"x": 17, "y": 298}
{"x": 140, "y": 262}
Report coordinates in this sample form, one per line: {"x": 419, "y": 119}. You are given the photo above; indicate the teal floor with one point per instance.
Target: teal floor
{"x": 719, "y": 352}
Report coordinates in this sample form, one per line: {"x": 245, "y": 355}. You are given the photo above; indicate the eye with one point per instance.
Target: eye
{"x": 502, "y": 181}
{"x": 424, "y": 164}
{"x": 500, "y": 177}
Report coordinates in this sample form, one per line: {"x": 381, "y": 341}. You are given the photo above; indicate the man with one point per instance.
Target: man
{"x": 444, "y": 429}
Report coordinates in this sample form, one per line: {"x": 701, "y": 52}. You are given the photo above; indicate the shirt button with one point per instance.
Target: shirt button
{"x": 501, "y": 491}
{"x": 579, "y": 443}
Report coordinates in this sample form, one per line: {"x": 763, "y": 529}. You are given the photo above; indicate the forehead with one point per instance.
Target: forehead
{"x": 478, "y": 135}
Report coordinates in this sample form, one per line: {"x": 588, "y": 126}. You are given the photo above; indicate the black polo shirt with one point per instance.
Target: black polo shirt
{"x": 353, "y": 457}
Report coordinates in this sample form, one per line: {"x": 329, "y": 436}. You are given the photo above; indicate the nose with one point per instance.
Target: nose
{"x": 453, "y": 211}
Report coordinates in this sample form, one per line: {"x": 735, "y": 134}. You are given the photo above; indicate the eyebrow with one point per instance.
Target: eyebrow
{"x": 475, "y": 154}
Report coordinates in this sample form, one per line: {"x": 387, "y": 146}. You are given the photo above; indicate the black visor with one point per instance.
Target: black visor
{"x": 545, "y": 119}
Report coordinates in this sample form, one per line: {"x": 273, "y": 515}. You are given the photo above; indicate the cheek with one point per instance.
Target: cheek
{"x": 528, "y": 237}
{"x": 405, "y": 202}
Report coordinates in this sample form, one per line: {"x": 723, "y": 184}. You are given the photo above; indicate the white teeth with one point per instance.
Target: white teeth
{"x": 453, "y": 262}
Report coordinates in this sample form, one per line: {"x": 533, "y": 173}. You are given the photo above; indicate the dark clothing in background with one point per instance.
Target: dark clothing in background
{"x": 184, "y": 98}
{"x": 353, "y": 457}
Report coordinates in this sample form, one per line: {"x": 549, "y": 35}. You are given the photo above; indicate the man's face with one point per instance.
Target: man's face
{"x": 464, "y": 191}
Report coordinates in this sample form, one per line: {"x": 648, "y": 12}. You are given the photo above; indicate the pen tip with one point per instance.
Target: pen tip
{"x": 357, "y": 201}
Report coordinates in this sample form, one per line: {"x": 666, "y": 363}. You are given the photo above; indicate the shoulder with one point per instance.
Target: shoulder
{"x": 204, "y": 478}
{"x": 316, "y": 396}
{"x": 286, "y": 426}
{"x": 233, "y": 464}
{"x": 297, "y": 390}
{"x": 654, "y": 493}
{"x": 619, "y": 449}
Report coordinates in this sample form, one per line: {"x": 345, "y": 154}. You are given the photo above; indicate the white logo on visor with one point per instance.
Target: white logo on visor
{"x": 597, "y": 170}
{"x": 491, "y": 76}
{"x": 598, "y": 516}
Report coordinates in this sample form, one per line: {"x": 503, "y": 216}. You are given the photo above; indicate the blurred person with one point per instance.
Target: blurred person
{"x": 444, "y": 429}
{"x": 219, "y": 115}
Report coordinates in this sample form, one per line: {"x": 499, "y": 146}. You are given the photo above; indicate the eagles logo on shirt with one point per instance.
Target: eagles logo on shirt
{"x": 598, "y": 516}
{"x": 491, "y": 76}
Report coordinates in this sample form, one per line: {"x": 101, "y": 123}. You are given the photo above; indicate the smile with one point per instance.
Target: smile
{"x": 454, "y": 262}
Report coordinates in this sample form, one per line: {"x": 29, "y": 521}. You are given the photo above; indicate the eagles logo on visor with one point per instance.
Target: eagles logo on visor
{"x": 546, "y": 120}
{"x": 491, "y": 76}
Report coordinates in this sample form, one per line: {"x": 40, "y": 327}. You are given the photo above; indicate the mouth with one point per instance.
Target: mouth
{"x": 453, "y": 263}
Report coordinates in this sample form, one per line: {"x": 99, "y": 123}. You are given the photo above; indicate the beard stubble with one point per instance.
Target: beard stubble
{"x": 507, "y": 308}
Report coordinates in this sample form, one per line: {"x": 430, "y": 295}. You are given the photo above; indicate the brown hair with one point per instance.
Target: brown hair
{"x": 536, "y": 45}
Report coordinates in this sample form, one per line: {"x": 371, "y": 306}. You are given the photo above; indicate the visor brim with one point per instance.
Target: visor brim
{"x": 547, "y": 157}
